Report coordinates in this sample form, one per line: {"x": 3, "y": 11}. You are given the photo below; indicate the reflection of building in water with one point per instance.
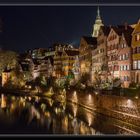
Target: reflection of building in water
{"x": 85, "y": 129}
{"x": 82, "y": 128}
{"x": 3, "y": 101}
{"x": 5, "y": 76}
{"x": 56, "y": 125}
{"x": 48, "y": 119}
{"x": 75, "y": 126}
{"x": 65, "y": 124}
{"x": 33, "y": 114}
{"x": 74, "y": 109}
{"x": 74, "y": 97}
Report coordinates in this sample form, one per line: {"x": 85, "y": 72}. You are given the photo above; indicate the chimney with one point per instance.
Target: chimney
{"x": 125, "y": 25}
{"x": 110, "y": 26}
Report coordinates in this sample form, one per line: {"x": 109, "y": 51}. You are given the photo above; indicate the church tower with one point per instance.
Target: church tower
{"x": 98, "y": 23}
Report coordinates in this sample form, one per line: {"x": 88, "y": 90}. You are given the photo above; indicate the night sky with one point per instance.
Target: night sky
{"x": 29, "y": 27}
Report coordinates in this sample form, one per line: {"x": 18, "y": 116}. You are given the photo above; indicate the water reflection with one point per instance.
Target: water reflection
{"x": 43, "y": 115}
{"x": 3, "y": 101}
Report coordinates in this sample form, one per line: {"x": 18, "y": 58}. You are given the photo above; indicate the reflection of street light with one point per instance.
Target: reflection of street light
{"x": 136, "y": 97}
{"x": 74, "y": 96}
{"x": 89, "y": 97}
{"x": 129, "y": 103}
{"x": 96, "y": 92}
{"x": 89, "y": 119}
{"x": 75, "y": 93}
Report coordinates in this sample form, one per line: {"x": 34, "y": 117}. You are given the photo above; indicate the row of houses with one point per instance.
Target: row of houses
{"x": 113, "y": 54}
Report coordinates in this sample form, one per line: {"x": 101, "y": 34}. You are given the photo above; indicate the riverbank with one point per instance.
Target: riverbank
{"x": 124, "y": 109}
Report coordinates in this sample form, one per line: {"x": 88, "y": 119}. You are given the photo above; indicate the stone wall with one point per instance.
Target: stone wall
{"x": 122, "y": 108}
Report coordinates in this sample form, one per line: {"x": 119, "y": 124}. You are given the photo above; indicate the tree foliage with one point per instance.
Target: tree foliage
{"x": 85, "y": 78}
{"x": 8, "y": 59}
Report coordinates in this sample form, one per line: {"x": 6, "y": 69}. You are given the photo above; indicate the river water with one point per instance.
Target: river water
{"x": 35, "y": 115}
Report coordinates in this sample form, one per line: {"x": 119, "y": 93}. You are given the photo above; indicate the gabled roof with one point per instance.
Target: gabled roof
{"x": 105, "y": 29}
{"x": 128, "y": 36}
{"x": 126, "y": 30}
{"x": 90, "y": 40}
{"x": 137, "y": 27}
{"x": 117, "y": 30}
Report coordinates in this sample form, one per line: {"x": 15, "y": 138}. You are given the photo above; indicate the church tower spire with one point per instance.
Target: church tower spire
{"x": 98, "y": 13}
{"x": 98, "y": 24}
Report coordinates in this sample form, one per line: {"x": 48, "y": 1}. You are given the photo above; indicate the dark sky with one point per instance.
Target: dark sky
{"x": 28, "y": 27}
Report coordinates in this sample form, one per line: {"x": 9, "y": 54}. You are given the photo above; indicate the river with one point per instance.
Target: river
{"x": 36, "y": 115}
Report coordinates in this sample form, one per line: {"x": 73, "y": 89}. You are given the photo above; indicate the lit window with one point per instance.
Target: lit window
{"x": 128, "y": 67}
{"x": 138, "y": 64}
{"x": 138, "y": 37}
{"x": 124, "y": 67}
{"x": 123, "y": 56}
{"x": 121, "y": 67}
{"x": 134, "y": 64}
{"x": 120, "y": 57}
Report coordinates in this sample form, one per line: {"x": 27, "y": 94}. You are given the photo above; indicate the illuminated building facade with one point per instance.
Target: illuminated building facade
{"x": 6, "y": 74}
{"x": 136, "y": 53}
{"x": 87, "y": 44}
{"x": 99, "y": 54}
{"x": 113, "y": 41}
{"x": 59, "y": 60}
{"x": 125, "y": 56}
{"x": 68, "y": 59}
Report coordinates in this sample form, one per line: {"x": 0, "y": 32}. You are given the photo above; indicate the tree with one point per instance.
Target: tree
{"x": 8, "y": 59}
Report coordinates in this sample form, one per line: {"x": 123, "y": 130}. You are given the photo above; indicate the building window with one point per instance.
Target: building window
{"x": 138, "y": 37}
{"x": 123, "y": 57}
{"x": 124, "y": 67}
{"x": 138, "y": 64}
{"x": 127, "y": 78}
{"x": 127, "y": 56}
{"x": 124, "y": 45}
{"x": 135, "y": 37}
{"x": 120, "y": 57}
{"x": 121, "y": 68}
{"x": 128, "y": 67}
{"x": 134, "y": 64}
